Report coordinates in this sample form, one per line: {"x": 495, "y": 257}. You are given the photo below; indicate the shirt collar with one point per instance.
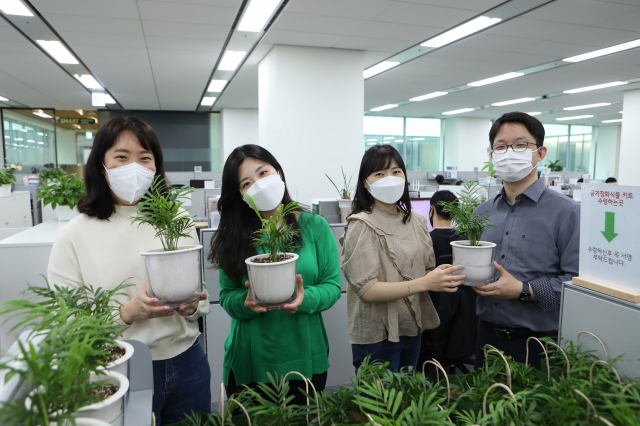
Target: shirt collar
{"x": 533, "y": 192}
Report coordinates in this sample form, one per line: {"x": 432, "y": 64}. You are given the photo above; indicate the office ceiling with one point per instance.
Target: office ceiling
{"x": 159, "y": 54}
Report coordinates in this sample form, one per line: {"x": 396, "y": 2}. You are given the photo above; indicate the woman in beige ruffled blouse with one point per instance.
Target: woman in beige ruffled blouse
{"x": 389, "y": 264}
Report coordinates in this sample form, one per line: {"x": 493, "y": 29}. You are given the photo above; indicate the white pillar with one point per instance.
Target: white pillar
{"x": 466, "y": 142}
{"x": 311, "y": 115}
{"x": 628, "y": 170}
{"x": 239, "y": 127}
{"x": 607, "y": 152}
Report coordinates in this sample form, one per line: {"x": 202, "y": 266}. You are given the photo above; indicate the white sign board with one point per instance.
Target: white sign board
{"x": 609, "y": 235}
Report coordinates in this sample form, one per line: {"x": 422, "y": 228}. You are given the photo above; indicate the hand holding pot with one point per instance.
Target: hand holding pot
{"x": 507, "y": 287}
{"x": 292, "y": 307}
{"x": 141, "y": 307}
{"x": 442, "y": 278}
{"x": 250, "y": 303}
{"x": 188, "y": 310}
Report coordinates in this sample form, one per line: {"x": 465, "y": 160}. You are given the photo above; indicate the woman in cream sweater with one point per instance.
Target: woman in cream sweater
{"x": 101, "y": 247}
{"x": 389, "y": 264}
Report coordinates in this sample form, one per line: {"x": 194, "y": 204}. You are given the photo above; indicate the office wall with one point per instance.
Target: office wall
{"x": 239, "y": 127}
{"x": 607, "y": 151}
{"x": 466, "y": 142}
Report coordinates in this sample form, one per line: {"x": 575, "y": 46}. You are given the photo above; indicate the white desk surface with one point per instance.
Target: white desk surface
{"x": 15, "y": 193}
{"x": 43, "y": 234}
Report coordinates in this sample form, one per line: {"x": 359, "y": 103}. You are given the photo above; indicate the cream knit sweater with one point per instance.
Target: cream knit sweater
{"x": 104, "y": 253}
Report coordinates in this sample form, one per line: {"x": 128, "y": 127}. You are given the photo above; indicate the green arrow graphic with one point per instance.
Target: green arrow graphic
{"x": 609, "y": 226}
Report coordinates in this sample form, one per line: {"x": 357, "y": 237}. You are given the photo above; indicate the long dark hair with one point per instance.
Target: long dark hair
{"x": 380, "y": 157}
{"x": 98, "y": 201}
{"x": 231, "y": 244}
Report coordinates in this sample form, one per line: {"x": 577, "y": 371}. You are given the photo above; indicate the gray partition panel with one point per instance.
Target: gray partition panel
{"x": 340, "y": 358}
{"x": 217, "y": 329}
{"x": 211, "y": 275}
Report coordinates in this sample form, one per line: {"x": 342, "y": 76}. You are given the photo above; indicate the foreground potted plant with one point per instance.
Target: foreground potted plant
{"x": 344, "y": 200}
{"x": 63, "y": 195}
{"x": 475, "y": 255}
{"x": 173, "y": 274}
{"x": 272, "y": 274}
{"x": 8, "y": 178}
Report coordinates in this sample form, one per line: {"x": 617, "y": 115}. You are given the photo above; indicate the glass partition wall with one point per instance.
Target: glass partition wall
{"x": 570, "y": 146}
{"x": 29, "y": 137}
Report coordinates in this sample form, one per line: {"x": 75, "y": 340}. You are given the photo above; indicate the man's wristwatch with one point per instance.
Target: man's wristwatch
{"x": 525, "y": 296}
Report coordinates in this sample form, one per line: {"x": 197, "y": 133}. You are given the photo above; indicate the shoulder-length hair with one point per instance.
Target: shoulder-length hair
{"x": 379, "y": 157}
{"x": 231, "y": 244}
{"x": 98, "y": 201}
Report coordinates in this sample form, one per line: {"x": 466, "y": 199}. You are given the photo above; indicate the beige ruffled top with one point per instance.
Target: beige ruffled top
{"x": 379, "y": 247}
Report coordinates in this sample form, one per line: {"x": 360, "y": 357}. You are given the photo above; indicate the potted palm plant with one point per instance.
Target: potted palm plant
{"x": 7, "y": 177}
{"x": 63, "y": 194}
{"x": 173, "y": 273}
{"x": 272, "y": 274}
{"x": 344, "y": 200}
{"x": 475, "y": 255}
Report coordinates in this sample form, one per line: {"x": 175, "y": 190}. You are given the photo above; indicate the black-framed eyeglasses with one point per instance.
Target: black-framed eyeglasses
{"x": 516, "y": 147}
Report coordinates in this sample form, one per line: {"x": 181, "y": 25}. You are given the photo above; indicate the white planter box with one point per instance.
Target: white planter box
{"x": 65, "y": 213}
{"x": 477, "y": 261}
{"x": 272, "y": 284}
{"x": 174, "y": 277}
{"x": 5, "y": 189}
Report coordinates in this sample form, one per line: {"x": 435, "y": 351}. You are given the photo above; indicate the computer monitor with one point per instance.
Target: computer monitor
{"x": 422, "y": 206}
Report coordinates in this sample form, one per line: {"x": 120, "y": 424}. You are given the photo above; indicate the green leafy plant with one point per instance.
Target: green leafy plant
{"x": 345, "y": 191}
{"x": 275, "y": 236}
{"x": 555, "y": 166}
{"x": 161, "y": 208}
{"x": 51, "y": 174}
{"x": 7, "y": 173}
{"x": 66, "y": 191}
{"x": 465, "y": 223}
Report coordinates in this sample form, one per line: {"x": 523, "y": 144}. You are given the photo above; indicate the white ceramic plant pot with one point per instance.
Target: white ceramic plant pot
{"x": 345, "y": 208}
{"x": 174, "y": 277}
{"x": 83, "y": 422}
{"x": 66, "y": 213}
{"x": 477, "y": 261}
{"x": 5, "y": 189}
{"x": 272, "y": 284}
{"x": 121, "y": 365}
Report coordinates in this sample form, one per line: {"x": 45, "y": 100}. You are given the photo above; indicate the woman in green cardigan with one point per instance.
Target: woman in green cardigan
{"x": 276, "y": 341}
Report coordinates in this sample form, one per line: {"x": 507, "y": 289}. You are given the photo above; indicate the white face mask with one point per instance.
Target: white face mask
{"x": 267, "y": 192}
{"x": 513, "y": 166}
{"x": 388, "y": 190}
{"x": 130, "y": 182}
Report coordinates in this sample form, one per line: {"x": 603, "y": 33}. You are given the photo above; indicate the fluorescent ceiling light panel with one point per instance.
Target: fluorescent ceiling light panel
{"x": 377, "y": 69}
{"x": 231, "y": 59}
{"x": 388, "y": 138}
{"x": 88, "y": 81}
{"x": 399, "y": 140}
{"x": 619, "y": 120}
{"x": 596, "y": 87}
{"x": 208, "y": 101}
{"x": 577, "y": 117}
{"x": 586, "y": 106}
{"x": 514, "y": 101}
{"x": 383, "y": 107}
{"x": 2, "y": 99}
{"x": 257, "y": 15}
{"x": 387, "y": 142}
{"x": 101, "y": 99}
{"x": 606, "y": 51}
{"x": 41, "y": 114}
{"x": 418, "y": 139}
{"x": 40, "y": 134}
{"x": 458, "y": 111}
{"x": 58, "y": 51}
{"x": 533, "y": 113}
{"x": 461, "y": 31}
{"x": 496, "y": 79}
{"x": 31, "y": 141}
{"x": 19, "y": 139}
{"x": 14, "y": 7}
{"x": 428, "y": 96}
{"x": 217, "y": 85}
{"x": 371, "y": 143}
{"x": 372, "y": 140}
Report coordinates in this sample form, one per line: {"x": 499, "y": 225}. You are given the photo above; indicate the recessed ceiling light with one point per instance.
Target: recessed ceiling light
{"x": 399, "y": 140}
{"x": 41, "y": 114}
{"x": 387, "y": 142}
{"x": 596, "y": 87}
{"x": 3, "y": 99}
{"x": 257, "y": 15}
{"x": 496, "y": 79}
{"x": 371, "y": 143}
{"x": 208, "y": 101}
{"x": 40, "y": 143}
{"x": 383, "y": 107}
{"x": 461, "y": 31}
{"x": 58, "y": 51}
{"x": 388, "y": 138}
{"x": 458, "y": 111}
{"x": 372, "y": 140}
{"x": 231, "y": 59}
{"x": 428, "y": 96}
{"x": 586, "y": 106}
{"x": 577, "y": 117}
{"x": 513, "y": 101}
{"x": 217, "y": 85}
{"x": 619, "y": 120}
{"x": 606, "y": 51}
{"x": 88, "y": 81}
{"x": 418, "y": 139}
{"x": 19, "y": 139}
{"x": 14, "y": 7}
{"x": 31, "y": 141}
{"x": 533, "y": 113}
{"x": 377, "y": 69}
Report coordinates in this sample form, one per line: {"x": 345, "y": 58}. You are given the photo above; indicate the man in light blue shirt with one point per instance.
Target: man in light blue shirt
{"x": 537, "y": 237}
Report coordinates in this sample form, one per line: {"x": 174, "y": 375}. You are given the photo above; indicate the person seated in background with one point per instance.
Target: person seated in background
{"x": 453, "y": 341}
{"x": 440, "y": 180}
{"x": 580, "y": 180}
{"x": 611, "y": 180}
